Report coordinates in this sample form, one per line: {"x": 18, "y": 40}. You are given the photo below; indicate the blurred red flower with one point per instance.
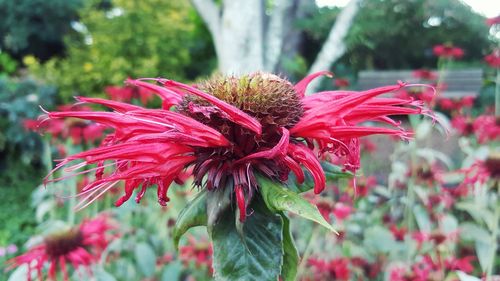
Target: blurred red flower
{"x": 425, "y": 74}
{"x": 493, "y": 21}
{"x": 493, "y": 59}
{"x": 448, "y": 51}
{"x": 80, "y": 246}
{"x": 342, "y": 83}
{"x": 335, "y": 269}
{"x": 198, "y": 251}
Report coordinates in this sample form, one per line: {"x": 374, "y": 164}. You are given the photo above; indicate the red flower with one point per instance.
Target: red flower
{"x": 336, "y": 269}
{"x": 398, "y": 233}
{"x": 425, "y": 74}
{"x": 447, "y": 51}
{"x": 493, "y": 59}
{"x": 79, "y": 131}
{"x": 420, "y": 238}
{"x": 493, "y": 21}
{"x": 325, "y": 207}
{"x": 341, "y": 211}
{"x": 341, "y": 83}
{"x": 198, "y": 251}
{"x": 80, "y": 246}
{"x": 363, "y": 185}
{"x": 463, "y": 124}
{"x": 487, "y": 128}
{"x": 129, "y": 92}
{"x": 229, "y": 129}
{"x": 456, "y": 104}
{"x": 462, "y": 264}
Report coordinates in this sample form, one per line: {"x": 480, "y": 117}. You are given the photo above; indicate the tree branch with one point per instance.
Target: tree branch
{"x": 210, "y": 14}
{"x": 334, "y": 46}
{"x": 275, "y": 34}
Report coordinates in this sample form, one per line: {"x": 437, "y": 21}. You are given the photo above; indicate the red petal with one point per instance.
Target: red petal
{"x": 301, "y": 86}
{"x": 296, "y": 169}
{"x": 169, "y": 97}
{"x": 240, "y": 199}
{"x": 234, "y": 114}
{"x": 279, "y": 149}
{"x": 305, "y": 156}
{"x": 115, "y": 105}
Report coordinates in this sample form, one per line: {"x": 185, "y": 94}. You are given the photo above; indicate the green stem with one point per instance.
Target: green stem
{"x": 497, "y": 94}
{"x": 47, "y": 158}
{"x": 307, "y": 251}
{"x": 443, "y": 66}
{"x": 71, "y": 204}
{"x": 494, "y": 236}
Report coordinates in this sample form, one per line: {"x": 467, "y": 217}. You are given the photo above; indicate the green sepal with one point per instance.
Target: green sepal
{"x": 194, "y": 214}
{"x": 218, "y": 201}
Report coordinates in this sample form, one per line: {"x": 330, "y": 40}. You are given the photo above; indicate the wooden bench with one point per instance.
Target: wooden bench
{"x": 460, "y": 83}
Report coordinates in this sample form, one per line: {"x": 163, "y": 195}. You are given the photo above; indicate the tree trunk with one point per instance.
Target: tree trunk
{"x": 249, "y": 38}
{"x": 334, "y": 46}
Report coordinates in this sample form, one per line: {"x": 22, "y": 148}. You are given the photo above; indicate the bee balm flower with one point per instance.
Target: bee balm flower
{"x": 80, "y": 246}
{"x": 228, "y": 130}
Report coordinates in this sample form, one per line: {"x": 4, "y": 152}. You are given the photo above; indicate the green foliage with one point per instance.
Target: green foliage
{"x": 194, "y": 214}
{"x": 19, "y": 100}
{"x": 7, "y": 64}
{"x": 257, "y": 254}
{"x": 279, "y": 198}
{"x": 400, "y": 34}
{"x": 36, "y": 26}
{"x": 415, "y": 27}
{"x": 128, "y": 39}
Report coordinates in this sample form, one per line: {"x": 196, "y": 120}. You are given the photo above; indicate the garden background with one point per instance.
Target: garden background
{"x": 426, "y": 209}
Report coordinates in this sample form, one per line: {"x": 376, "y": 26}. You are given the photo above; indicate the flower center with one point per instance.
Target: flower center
{"x": 267, "y": 97}
{"x": 492, "y": 163}
{"x": 62, "y": 243}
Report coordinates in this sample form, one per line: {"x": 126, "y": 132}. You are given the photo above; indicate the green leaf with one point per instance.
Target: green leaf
{"x": 485, "y": 253}
{"x": 103, "y": 275}
{"x": 379, "y": 239}
{"x": 279, "y": 198}
{"x": 291, "y": 255}
{"x": 256, "y": 256}
{"x": 466, "y": 277}
{"x": 172, "y": 271}
{"x": 332, "y": 173}
{"x": 422, "y": 218}
{"x": 21, "y": 273}
{"x": 145, "y": 258}
{"x": 194, "y": 214}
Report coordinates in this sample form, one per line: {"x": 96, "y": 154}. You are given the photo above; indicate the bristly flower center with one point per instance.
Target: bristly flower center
{"x": 267, "y": 97}
{"x": 60, "y": 244}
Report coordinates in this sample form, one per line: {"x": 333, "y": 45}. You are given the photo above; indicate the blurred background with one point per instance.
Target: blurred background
{"x": 53, "y": 50}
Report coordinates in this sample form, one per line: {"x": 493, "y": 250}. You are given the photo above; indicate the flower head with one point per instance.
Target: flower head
{"x": 425, "y": 74}
{"x": 80, "y": 246}
{"x": 493, "y": 59}
{"x": 228, "y": 130}
{"x": 493, "y": 21}
{"x": 448, "y": 51}
{"x": 199, "y": 252}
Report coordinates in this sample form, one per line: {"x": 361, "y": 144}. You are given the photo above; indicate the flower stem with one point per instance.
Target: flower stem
{"x": 307, "y": 251}
{"x": 494, "y": 234}
{"x": 497, "y": 94}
